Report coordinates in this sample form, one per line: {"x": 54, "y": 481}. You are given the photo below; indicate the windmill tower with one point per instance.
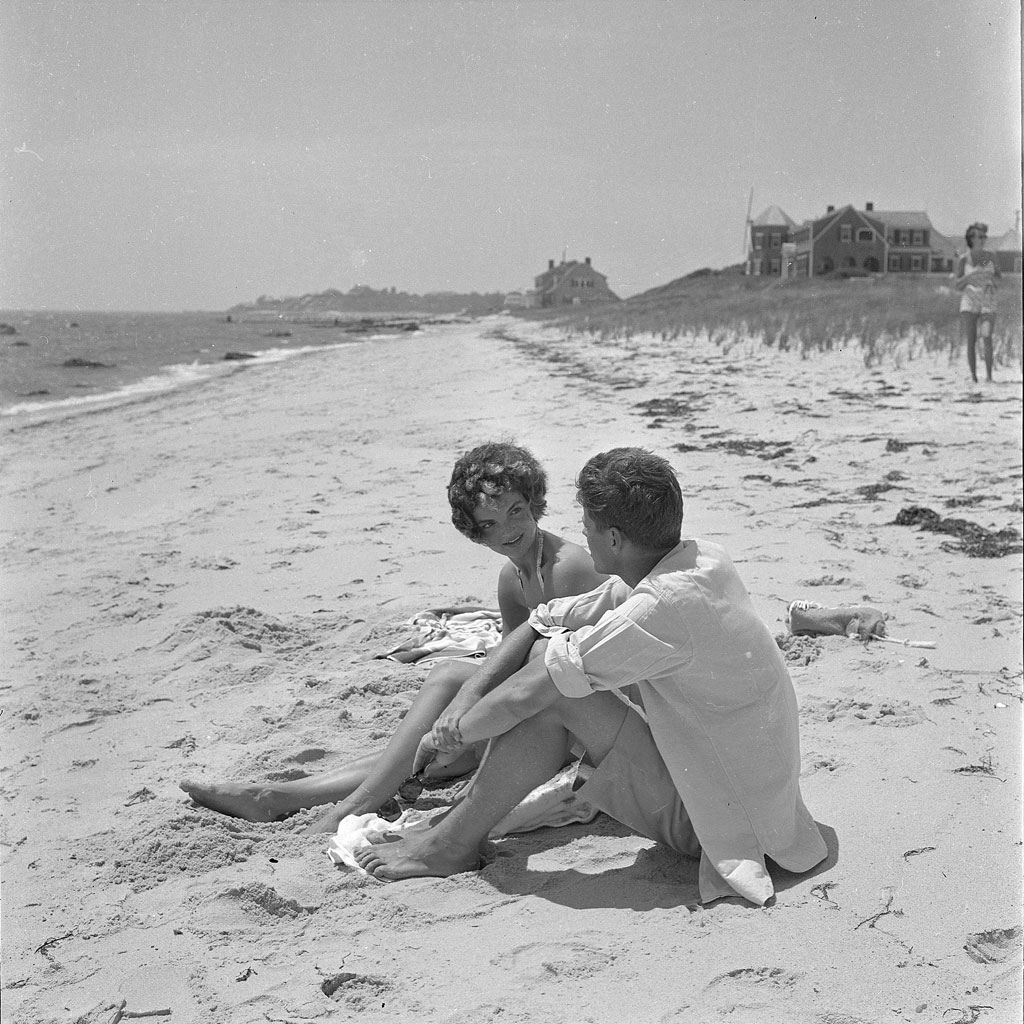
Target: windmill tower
{"x": 746, "y": 232}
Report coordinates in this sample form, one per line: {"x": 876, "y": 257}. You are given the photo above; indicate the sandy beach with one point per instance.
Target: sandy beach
{"x": 199, "y": 584}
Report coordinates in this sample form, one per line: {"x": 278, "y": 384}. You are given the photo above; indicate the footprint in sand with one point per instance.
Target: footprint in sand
{"x": 993, "y": 947}
{"x": 777, "y": 978}
{"x": 356, "y": 991}
{"x": 750, "y": 995}
{"x": 894, "y": 714}
{"x": 563, "y": 960}
{"x": 815, "y": 762}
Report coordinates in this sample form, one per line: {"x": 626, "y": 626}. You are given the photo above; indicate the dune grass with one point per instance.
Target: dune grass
{"x": 892, "y": 318}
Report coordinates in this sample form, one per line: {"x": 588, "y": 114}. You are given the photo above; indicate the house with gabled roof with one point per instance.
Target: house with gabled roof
{"x": 571, "y": 284}
{"x": 769, "y": 232}
{"x": 864, "y": 241}
{"x": 908, "y": 235}
{"x": 844, "y": 239}
{"x": 1007, "y": 249}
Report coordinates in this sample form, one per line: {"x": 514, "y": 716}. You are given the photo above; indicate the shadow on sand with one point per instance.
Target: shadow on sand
{"x": 658, "y": 879}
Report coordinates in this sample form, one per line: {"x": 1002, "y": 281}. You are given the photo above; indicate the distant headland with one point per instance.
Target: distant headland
{"x": 362, "y": 299}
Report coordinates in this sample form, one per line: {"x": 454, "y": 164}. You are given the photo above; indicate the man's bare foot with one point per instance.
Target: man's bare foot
{"x": 415, "y": 857}
{"x": 251, "y": 802}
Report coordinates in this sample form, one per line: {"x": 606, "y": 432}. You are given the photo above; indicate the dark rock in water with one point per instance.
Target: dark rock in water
{"x": 19, "y": 344}
{"x": 279, "y": 334}
{"x": 74, "y": 363}
{"x": 238, "y": 355}
{"x": 411, "y": 327}
{"x": 873, "y": 490}
{"x": 33, "y": 394}
{"x": 74, "y": 323}
{"x": 7, "y": 329}
{"x": 974, "y": 540}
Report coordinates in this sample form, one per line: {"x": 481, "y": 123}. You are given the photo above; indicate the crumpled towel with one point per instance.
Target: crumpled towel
{"x": 449, "y": 633}
{"x": 811, "y": 618}
{"x": 548, "y": 806}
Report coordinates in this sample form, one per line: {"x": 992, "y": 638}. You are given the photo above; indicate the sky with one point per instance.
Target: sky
{"x": 176, "y": 155}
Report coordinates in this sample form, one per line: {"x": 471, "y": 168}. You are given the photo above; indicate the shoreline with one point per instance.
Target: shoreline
{"x": 207, "y": 361}
{"x": 197, "y": 584}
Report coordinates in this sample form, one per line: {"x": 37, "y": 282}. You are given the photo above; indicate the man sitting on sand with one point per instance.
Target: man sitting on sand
{"x": 709, "y": 767}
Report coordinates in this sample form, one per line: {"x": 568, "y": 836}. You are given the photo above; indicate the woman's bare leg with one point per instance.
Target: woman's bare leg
{"x": 374, "y": 776}
{"x": 271, "y": 801}
{"x": 395, "y": 763}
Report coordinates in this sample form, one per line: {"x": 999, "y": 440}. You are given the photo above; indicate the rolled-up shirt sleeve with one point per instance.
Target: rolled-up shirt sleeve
{"x": 626, "y": 644}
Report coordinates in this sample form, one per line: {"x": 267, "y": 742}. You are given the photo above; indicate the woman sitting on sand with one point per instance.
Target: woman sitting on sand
{"x": 497, "y": 493}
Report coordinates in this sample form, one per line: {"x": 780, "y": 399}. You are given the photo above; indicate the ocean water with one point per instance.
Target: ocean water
{"x": 68, "y": 361}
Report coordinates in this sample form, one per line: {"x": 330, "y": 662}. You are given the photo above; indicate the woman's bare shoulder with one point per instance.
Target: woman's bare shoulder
{"x": 573, "y": 571}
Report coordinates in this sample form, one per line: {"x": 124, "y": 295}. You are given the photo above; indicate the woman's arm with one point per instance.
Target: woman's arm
{"x": 501, "y": 663}
{"x": 523, "y": 694}
{"x": 960, "y": 280}
{"x": 511, "y": 602}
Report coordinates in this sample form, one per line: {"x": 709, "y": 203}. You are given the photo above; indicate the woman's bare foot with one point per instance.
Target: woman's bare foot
{"x": 415, "y": 857}
{"x": 251, "y": 802}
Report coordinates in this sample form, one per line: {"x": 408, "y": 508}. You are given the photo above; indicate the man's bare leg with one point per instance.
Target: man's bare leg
{"x": 363, "y": 785}
{"x": 516, "y": 762}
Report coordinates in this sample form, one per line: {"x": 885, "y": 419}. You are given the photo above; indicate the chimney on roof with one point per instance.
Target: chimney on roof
{"x": 830, "y": 209}
{"x": 587, "y": 260}
{"x": 551, "y": 264}
{"x": 869, "y": 207}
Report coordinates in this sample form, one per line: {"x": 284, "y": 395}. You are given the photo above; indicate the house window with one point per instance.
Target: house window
{"x": 776, "y": 239}
{"x": 865, "y": 234}
{"x": 758, "y": 239}
{"x": 774, "y": 266}
{"x": 845, "y": 233}
{"x": 915, "y": 262}
{"x": 755, "y": 268}
{"x": 918, "y": 238}
{"x": 894, "y": 263}
{"x": 903, "y": 237}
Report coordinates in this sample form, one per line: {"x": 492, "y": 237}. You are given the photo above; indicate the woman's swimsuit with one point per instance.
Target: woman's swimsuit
{"x": 980, "y": 290}
{"x": 539, "y": 571}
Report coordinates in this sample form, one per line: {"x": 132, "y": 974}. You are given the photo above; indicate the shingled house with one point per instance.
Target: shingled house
{"x": 571, "y": 284}
{"x": 868, "y": 240}
{"x": 769, "y": 232}
{"x": 1007, "y": 249}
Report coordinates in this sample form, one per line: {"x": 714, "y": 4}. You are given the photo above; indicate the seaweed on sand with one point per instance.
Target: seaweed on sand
{"x": 974, "y": 540}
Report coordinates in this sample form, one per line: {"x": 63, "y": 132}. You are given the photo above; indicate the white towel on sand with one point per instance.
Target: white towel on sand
{"x": 449, "y": 633}
{"x": 552, "y": 804}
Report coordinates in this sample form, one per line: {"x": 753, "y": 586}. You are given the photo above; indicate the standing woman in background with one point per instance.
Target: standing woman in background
{"x": 976, "y": 274}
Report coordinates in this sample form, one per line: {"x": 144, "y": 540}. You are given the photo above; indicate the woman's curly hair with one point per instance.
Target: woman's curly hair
{"x": 489, "y": 470}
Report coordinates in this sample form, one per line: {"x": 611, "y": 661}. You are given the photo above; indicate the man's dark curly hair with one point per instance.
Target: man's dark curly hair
{"x": 637, "y": 492}
{"x": 489, "y": 470}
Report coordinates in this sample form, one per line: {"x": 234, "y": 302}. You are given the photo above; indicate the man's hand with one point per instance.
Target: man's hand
{"x": 446, "y": 732}
{"x": 445, "y": 736}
